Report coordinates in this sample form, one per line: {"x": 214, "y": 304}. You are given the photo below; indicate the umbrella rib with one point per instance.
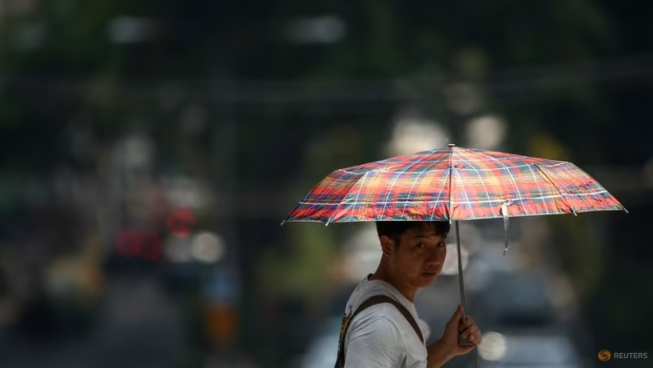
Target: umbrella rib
{"x": 537, "y": 183}
{"x": 357, "y": 200}
{"x": 556, "y": 188}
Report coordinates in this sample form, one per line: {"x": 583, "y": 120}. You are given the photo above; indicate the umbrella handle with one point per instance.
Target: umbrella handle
{"x": 461, "y": 341}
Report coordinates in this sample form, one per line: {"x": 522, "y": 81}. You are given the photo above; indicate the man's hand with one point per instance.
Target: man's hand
{"x": 447, "y": 347}
{"x": 468, "y": 330}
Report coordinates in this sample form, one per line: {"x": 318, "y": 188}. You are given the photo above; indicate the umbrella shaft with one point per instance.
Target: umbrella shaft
{"x": 460, "y": 271}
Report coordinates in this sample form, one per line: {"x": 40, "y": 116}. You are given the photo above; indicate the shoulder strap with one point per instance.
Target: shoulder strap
{"x": 377, "y": 299}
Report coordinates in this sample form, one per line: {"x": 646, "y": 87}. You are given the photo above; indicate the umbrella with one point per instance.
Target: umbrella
{"x": 452, "y": 184}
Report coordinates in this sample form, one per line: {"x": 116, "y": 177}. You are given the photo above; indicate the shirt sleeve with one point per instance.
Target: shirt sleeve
{"x": 375, "y": 343}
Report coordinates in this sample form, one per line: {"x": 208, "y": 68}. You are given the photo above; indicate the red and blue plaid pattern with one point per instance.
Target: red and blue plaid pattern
{"x": 452, "y": 183}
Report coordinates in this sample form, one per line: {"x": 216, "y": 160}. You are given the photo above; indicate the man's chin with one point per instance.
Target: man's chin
{"x": 427, "y": 279}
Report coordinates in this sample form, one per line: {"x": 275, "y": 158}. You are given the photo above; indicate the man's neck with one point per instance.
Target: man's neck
{"x": 382, "y": 274}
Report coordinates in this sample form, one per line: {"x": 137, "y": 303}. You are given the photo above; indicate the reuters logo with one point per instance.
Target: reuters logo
{"x": 604, "y": 355}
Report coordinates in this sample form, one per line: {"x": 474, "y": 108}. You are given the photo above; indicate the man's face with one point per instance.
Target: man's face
{"x": 418, "y": 259}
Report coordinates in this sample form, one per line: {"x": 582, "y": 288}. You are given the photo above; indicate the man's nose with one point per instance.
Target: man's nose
{"x": 434, "y": 257}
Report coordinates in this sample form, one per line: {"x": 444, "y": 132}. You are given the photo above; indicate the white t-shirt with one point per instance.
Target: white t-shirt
{"x": 380, "y": 336}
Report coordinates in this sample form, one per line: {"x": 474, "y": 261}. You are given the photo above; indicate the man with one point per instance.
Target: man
{"x": 379, "y": 328}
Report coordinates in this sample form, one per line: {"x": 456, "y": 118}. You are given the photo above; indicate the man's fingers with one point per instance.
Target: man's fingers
{"x": 469, "y": 321}
{"x": 458, "y": 314}
{"x": 459, "y": 311}
{"x": 469, "y": 331}
{"x": 474, "y": 338}
{"x": 468, "y": 327}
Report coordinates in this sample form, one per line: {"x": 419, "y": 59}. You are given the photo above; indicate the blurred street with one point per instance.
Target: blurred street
{"x": 139, "y": 326}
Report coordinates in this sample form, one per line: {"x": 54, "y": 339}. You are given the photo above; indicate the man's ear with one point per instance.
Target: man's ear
{"x": 387, "y": 245}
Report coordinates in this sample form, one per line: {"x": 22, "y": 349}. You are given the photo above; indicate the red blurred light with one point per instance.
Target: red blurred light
{"x": 128, "y": 243}
{"x": 180, "y": 222}
{"x": 131, "y": 243}
{"x": 150, "y": 246}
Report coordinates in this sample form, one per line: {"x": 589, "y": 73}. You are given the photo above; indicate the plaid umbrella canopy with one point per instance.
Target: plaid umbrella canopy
{"x": 451, "y": 184}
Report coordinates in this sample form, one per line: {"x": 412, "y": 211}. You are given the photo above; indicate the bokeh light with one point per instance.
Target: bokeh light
{"x": 493, "y": 346}
{"x": 207, "y": 247}
{"x": 413, "y": 133}
{"x": 486, "y": 132}
{"x": 177, "y": 250}
{"x": 450, "y": 266}
{"x": 180, "y": 222}
{"x": 132, "y": 243}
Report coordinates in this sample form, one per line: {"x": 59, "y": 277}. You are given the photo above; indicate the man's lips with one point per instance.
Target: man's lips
{"x": 432, "y": 273}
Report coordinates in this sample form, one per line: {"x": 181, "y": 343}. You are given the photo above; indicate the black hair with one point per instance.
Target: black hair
{"x": 395, "y": 229}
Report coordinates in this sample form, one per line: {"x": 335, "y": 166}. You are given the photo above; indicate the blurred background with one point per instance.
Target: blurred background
{"x": 150, "y": 149}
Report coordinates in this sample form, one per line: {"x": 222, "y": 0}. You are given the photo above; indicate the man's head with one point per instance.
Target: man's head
{"x": 413, "y": 251}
